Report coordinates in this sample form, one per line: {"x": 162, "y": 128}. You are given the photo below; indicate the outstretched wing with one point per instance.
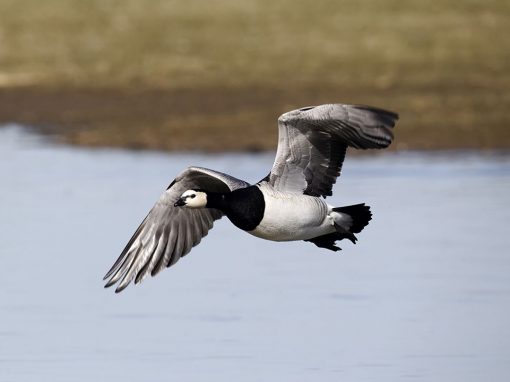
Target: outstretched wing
{"x": 312, "y": 142}
{"x": 168, "y": 233}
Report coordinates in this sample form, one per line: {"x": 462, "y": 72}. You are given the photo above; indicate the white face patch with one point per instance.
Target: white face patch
{"x": 194, "y": 199}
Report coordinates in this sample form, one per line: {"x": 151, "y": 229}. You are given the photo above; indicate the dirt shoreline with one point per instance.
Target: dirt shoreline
{"x": 227, "y": 119}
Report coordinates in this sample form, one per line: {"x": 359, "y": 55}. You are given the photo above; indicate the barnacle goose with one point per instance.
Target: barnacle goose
{"x": 288, "y": 204}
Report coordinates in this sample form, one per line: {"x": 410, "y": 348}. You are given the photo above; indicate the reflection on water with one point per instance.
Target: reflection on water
{"x": 425, "y": 293}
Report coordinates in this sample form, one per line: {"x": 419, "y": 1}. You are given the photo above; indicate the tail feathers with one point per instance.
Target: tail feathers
{"x": 348, "y": 221}
{"x": 360, "y": 215}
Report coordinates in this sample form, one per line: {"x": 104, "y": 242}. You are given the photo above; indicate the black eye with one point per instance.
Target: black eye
{"x": 192, "y": 196}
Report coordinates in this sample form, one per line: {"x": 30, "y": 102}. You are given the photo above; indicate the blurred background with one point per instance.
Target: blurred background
{"x": 103, "y": 102}
{"x": 168, "y": 74}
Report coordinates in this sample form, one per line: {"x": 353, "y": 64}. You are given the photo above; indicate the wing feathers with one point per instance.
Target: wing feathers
{"x": 313, "y": 141}
{"x": 124, "y": 251}
{"x": 168, "y": 233}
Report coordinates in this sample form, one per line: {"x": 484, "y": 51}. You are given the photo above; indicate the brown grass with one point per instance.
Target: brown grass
{"x": 215, "y": 75}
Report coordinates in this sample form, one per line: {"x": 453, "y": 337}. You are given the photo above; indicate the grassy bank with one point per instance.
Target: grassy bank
{"x": 215, "y": 75}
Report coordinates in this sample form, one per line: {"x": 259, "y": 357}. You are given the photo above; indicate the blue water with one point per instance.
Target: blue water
{"x": 424, "y": 295}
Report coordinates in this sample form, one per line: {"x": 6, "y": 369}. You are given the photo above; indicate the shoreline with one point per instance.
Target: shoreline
{"x": 242, "y": 119}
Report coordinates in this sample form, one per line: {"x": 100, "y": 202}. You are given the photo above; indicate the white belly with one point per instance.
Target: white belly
{"x": 290, "y": 217}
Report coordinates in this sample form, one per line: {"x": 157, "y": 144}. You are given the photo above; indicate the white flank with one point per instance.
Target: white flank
{"x": 291, "y": 216}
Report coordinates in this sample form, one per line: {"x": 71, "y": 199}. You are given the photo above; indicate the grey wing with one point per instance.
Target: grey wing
{"x": 312, "y": 143}
{"x": 168, "y": 233}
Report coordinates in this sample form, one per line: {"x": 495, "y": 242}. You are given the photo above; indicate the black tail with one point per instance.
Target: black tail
{"x": 360, "y": 215}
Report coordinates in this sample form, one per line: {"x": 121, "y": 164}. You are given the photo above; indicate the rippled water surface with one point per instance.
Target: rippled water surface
{"x": 424, "y": 295}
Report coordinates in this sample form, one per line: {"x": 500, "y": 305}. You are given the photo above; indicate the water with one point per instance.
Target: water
{"x": 424, "y": 295}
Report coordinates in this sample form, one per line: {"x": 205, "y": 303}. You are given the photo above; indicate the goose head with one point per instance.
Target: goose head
{"x": 192, "y": 199}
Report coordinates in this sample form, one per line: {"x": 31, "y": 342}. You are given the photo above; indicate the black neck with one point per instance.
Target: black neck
{"x": 244, "y": 207}
{"x": 217, "y": 200}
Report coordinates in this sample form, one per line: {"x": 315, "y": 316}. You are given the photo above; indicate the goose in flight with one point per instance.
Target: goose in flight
{"x": 288, "y": 204}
